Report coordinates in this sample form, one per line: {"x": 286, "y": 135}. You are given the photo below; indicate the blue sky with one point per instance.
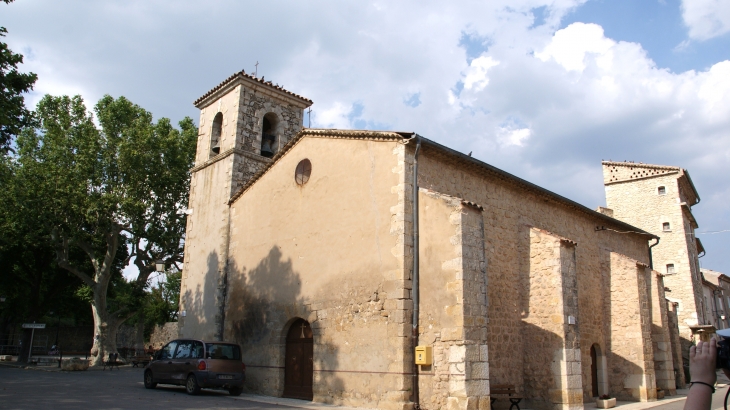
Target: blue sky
{"x": 544, "y": 89}
{"x": 659, "y": 28}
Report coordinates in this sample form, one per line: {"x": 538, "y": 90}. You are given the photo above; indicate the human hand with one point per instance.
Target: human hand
{"x": 702, "y": 362}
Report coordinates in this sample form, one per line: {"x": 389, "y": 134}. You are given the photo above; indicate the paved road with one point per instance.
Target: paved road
{"x": 118, "y": 389}
{"x": 718, "y": 401}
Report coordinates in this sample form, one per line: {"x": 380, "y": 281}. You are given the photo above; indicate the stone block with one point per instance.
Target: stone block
{"x": 479, "y": 370}
{"x": 477, "y": 387}
{"x": 70, "y": 365}
{"x": 485, "y": 403}
{"x": 457, "y": 354}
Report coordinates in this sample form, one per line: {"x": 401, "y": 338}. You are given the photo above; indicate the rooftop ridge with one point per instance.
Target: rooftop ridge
{"x": 640, "y": 165}
{"x": 242, "y": 74}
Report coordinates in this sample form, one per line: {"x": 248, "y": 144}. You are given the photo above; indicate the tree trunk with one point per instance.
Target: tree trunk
{"x": 139, "y": 343}
{"x": 105, "y": 330}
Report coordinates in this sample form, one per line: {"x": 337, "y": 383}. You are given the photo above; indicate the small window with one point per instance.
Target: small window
{"x": 268, "y": 135}
{"x": 662, "y": 190}
{"x": 670, "y": 268}
{"x": 303, "y": 171}
{"x": 666, "y": 227}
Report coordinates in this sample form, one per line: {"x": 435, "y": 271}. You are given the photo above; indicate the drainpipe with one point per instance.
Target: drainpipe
{"x": 415, "y": 289}
{"x": 651, "y": 260}
{"x": 223, "y": 284}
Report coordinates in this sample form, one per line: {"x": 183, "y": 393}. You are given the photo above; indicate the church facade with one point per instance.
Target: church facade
{"x": 315, "y": 250}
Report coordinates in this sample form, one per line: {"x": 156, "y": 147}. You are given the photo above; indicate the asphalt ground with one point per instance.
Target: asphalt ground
{"x": 117, "y": 389}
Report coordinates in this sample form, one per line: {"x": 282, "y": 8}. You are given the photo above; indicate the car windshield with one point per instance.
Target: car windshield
{"x": 222, "y": 351}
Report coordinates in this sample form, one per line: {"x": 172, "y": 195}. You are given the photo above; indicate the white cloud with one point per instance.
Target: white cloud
{"x": 542, "y": 103}
{"x": 476, "y": 75}
{"x": 570, "y": 46}
{"x": 706, "y": 18}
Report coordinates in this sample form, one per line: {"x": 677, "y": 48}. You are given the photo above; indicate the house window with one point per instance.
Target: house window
{"x": 670, "y": 268}
{"x": 666, "y": 227}
{"x": 662, "y": 190}
{"x": 215, "y": 135}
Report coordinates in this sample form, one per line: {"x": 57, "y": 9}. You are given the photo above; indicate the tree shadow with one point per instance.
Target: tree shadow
{"x": 262, "y": 302}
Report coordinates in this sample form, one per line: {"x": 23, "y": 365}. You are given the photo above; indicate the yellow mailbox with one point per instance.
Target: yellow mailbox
{"x": 424, "y": 355}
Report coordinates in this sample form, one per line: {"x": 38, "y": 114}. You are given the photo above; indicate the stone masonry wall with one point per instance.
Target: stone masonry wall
{"x": 630, "y": 356}
{"x": 676, "y": 345}
{"x": 638, "y": 202}
{"x": 453, "y": 317}
{"x": 509, "y": 211}
{"x": 553, "y": 369}
{"x": 660, "y": 334}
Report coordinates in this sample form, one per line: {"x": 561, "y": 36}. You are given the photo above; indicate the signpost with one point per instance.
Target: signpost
{"x": 32, "y": 326}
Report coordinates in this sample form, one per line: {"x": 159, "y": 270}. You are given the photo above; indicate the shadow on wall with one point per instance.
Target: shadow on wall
{"x": 199, "y": 303}
{"x": 261, "y": 306}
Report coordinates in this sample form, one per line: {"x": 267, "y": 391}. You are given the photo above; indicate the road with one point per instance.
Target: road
{"x": 117, "y": 389}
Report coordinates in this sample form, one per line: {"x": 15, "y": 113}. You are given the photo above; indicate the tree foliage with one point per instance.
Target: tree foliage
{"x": 123, "y": 183}
{"x": 13, "y": 114}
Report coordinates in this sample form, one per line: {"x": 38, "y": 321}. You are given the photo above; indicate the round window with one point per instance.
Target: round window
{"x": 304, "y": 170}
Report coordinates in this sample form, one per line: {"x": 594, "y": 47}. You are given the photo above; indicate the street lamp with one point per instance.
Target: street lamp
{"x": 160, "y": 265}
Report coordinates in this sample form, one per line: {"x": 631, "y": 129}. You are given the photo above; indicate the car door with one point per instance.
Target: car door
{"x": 162, "y": 366}
{"x": 182, "y": 362}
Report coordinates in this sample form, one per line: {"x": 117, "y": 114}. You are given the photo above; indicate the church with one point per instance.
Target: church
{"x": 381, "y": 269}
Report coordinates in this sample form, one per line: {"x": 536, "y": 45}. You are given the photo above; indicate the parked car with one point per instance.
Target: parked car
{"x": 197, "y": 364}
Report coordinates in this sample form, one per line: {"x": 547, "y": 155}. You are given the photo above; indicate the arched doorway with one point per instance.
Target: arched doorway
{"x": 298, "y": 361}
{"x": 599, "y": 377}
{"x": 594, "y": 371}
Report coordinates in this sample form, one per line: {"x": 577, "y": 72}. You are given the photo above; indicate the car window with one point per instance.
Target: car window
{"x": 167, "y": 351}
{"x": 222, "y": 351}
{"x": 184, "y": 350}
{"x": 197, "y": 351}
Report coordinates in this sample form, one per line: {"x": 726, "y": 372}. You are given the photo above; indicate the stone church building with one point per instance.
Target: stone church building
{"x": 315, "y": 250}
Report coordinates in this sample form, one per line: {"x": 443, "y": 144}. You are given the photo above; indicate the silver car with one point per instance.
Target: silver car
{"x": 197, "y": 364}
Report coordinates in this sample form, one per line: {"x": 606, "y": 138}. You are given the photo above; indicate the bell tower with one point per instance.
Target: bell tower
{"x": 244, "y": 122}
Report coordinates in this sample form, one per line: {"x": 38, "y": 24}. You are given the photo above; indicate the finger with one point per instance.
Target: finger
{"x": 713, "y": 347}
{"x": 692, "y": 352}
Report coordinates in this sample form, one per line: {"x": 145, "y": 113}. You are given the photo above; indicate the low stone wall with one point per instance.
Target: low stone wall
{"x": 163, "y": 334}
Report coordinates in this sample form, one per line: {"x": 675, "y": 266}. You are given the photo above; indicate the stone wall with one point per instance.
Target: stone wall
{"x": 632, "y": 191}
{"x": 677, "y": 359}
{"x": 336, "y": 252}
{"x": 453, "y": 311}
{"x": 630, "y": 355}
{"x": 162, "y": 334}
{"x": 553, "y": 369}
{"x": 661, "y": 336}
{"x": 510, "y": 210}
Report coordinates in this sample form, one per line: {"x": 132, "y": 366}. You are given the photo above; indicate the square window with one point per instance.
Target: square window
{"x": 670, "y": 268}
{"x": 666, "y": 226}
{"x": 662, "y": 190}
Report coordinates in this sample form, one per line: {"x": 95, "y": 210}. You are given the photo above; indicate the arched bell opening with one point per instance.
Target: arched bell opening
{"x": 299, "y": 361}
{"x": 269, "y": 136}
{"x": 215, "y": 135}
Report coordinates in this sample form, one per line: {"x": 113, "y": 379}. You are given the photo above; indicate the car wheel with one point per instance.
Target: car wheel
{"x": 149, "y": 382}
{"x": 235, "y": 391}
{"x": 191, "y": 386}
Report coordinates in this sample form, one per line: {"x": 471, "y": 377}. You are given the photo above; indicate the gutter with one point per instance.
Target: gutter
{"x": 651, "y": 260}
{"x": 415, "y": 286}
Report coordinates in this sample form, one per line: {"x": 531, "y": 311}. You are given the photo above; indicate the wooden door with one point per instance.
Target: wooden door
{"x": 298, "y": 366}
{"x": 594, "y": 370}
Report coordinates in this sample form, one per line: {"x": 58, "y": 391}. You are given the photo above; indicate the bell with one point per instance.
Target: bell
{"x": 266, "y": 150}
{"x": 216, "y": 148}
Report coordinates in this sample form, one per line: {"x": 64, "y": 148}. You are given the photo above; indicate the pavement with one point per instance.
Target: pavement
{"x": 42, "y": 387}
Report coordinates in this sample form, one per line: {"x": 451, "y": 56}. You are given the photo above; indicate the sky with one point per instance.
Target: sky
{"x": 544, "y": 89}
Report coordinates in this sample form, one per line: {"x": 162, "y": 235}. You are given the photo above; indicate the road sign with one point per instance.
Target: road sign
{"x": 34, "y": 325}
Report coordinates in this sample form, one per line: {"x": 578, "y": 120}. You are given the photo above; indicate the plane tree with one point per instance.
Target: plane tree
{"x": 120, "y": 185}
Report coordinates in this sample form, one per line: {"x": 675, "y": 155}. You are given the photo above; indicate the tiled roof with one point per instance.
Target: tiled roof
{"x": 242, "y": 74}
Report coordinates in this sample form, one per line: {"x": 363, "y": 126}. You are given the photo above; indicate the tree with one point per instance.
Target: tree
{"x": 123, "y": 184}
{"x": 13, "y": 114}
{"x": 31, "y": 282}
